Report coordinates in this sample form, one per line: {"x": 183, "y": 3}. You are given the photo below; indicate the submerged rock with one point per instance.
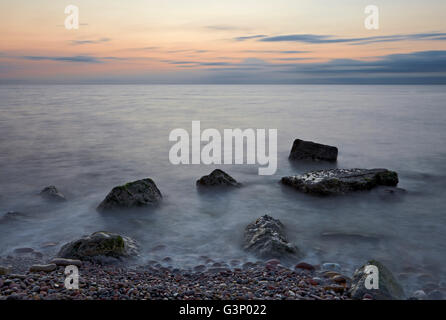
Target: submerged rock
{"x": 388, "y": 286}
{"x": 43, "y": 267}
{"x": 340, "y": 181}
{"x": 134, "y": 194}
{"x": 23, "y": 250}
{"x": 266, "y": 238}
{"x": 349, "y": 237}
{"x": 12, "y": 216}
{"x": 97, "y": 245}
{"x": 331, "y": 266}
{"x": 218, "y": 178}
{"x": 391, "y": 193}
{"x": 51, "y": 193}
{"x": 308, "y": 150}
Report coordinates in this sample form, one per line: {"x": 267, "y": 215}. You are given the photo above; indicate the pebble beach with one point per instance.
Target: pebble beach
{"x": 253, "y": 281}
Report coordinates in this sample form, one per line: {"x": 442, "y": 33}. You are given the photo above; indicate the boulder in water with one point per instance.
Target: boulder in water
{"x": 132, "y": 195}
{"x": 98, "y": 245}
{"x": 388, "y": 286}
{"x": 341, "y": 181}
{"x": 218, "y": 178}
{"x": 52, "y": 194}
{"x": 308, "y": 150}
{"x": 266, "y": 238}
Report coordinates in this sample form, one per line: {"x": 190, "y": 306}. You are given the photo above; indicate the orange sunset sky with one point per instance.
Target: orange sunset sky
{"x": 215, "y": 41}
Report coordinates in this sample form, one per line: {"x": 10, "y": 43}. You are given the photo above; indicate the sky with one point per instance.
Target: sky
{"x": 223, "y": 42}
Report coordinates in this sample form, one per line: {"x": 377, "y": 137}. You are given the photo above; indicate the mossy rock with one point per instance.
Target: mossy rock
{"x": 99, "y": 244}
{"x": 388, "y": 286}
{"x": 134, "y": 194}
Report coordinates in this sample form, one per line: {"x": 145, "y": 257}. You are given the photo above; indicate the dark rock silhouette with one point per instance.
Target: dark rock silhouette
{"x": 218, "y": 178}
{"x": 308, "y": 150}
{"x": 134, "y": 194}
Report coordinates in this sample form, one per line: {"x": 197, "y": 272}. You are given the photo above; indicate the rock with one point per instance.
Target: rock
{"x": 51, "y": 193}
{"x": 307, "y": 150}
{"x": 335, "y": 288}
{"x": 48, "y": 245}
{"x": 134, "y": 194}
{"x": 97, "y": 245}
{"x": 218, "y": 178}
{"x": 389, "y": 288}
{"x": 43, "y": 267}
{"x": 391, "y": 193}
{"x": 349, "y": 237}
{"x": 340, "y": 279}
{"x": 305, "y": 266}
{"x": 12, "y": 216}
{"x": 17, "y": 276}
{"x": 24, "y": 250}
{"x": 330, "y": 274}
{"x": 367, "y": 297}
{"x": 66, "y": 262}
{"x": 4, "y": 270}
{"x": 419, "y": 295}
{"x": 331, "y": 266}
{"x": 272, "y": 263}
{"x": 341, "y": 181}
{"x": 266, "y": 238}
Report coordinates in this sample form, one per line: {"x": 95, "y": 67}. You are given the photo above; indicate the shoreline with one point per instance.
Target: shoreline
{"x": 254, "y": 281}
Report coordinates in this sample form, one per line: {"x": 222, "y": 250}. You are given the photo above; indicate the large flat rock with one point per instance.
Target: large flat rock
{"x": 341, "y": 181}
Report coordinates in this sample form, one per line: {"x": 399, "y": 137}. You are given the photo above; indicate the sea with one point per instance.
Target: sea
{"x": 86, "y": 139}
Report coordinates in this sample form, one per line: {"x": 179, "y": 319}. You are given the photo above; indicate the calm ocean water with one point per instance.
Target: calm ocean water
{"x": 87, "y": 139}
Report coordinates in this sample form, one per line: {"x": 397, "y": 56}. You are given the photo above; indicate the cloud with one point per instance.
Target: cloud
{"x": 292, "y": 59}
{"x": 149, "y": 48}
{"x": 83, "y": 59}
{"x": 418, "y": 62}
{"x": 250, "y": 37}
{"x": 424, "y": 67}
{"x": 223, "y": 27}
{"x": 277, "y": 51}
{"x": 324, "y": 39}
{"x": 82, "y": 42}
